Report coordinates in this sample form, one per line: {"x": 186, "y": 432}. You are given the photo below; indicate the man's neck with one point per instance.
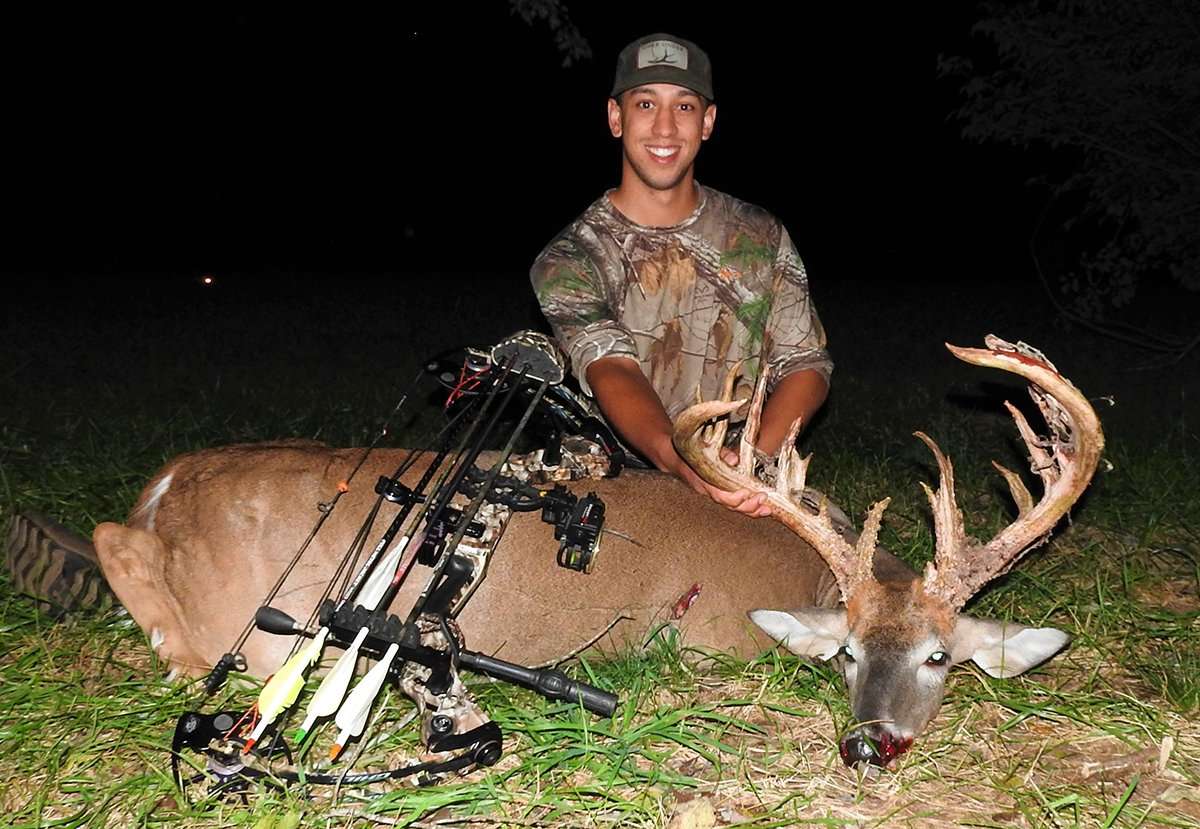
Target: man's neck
{"x": 655, "y": 208}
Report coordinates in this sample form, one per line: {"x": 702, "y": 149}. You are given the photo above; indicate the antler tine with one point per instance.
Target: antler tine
{"x": 793, "y": 470}
{"x": 721, "y": 426}
{"x": 948, "y": 526}
{"x": 753, "y": 421}
{"x": 1065, "y": 460}
{"x": 867, "y": 542}
{"x": 704, "y": 457}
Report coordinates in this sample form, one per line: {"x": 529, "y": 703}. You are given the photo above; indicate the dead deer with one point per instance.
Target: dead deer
{"x": 212, "y": 530}
{"x": 897, "y": 633}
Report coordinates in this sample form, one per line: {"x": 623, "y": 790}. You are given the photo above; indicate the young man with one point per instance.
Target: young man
{"x": 662, "y": 284}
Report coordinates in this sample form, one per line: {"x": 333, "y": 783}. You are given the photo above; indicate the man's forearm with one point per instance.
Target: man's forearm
{"x": 631, "y": 406}
{"x": 798, "y": 395}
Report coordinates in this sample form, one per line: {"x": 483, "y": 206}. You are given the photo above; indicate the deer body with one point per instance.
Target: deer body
{"x": 214, "y": 528}
{"x": 212, "y": 531}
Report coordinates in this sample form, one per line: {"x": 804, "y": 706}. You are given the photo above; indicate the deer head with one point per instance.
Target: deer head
{"x": 897, "y": 636}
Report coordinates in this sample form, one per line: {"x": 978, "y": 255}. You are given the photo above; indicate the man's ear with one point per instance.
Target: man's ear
{"x": 710, "y": 120}
{"x": 614, "y": 118}
{"x": 811, "y": 631}
{"x": 1004, "y": 649}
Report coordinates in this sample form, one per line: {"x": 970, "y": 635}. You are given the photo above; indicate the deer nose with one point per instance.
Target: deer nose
{"x": 873, "y": 745}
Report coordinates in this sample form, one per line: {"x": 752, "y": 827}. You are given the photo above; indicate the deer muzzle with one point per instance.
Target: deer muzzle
{"x": 872, "y": 744}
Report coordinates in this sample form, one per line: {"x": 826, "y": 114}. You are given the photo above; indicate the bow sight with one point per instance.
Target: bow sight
{"x": 461, "y": 511}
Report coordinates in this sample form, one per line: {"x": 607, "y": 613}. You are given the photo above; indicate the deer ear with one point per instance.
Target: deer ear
{"x": 1004, "y": 649}
{"x": 812, "y": 631}
{"x": 133, "y": 562}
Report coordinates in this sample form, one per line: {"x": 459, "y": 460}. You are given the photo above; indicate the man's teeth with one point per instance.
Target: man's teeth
{"x": 663, "y": 152}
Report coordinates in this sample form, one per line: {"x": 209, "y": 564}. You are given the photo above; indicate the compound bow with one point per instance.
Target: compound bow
{"x": 461, "y": 517}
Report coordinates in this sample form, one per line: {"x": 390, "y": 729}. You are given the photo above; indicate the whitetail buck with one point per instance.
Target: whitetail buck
{"x": 212, "y": 530}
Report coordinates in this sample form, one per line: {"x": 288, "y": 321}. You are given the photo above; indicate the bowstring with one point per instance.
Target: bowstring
{"x": 326, "y": 509}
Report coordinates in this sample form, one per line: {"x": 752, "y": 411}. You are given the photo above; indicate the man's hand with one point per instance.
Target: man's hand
{"x": 744, "y": 501}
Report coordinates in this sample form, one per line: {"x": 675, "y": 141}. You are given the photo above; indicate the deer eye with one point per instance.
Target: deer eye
{"x": 844, "y": 651}
{"x": 938, "y": 658}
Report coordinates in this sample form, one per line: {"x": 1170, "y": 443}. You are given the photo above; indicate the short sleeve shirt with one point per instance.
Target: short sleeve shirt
{"x": 686, "y": 302}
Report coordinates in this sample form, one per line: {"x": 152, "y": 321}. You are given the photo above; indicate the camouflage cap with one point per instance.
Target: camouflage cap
{"x": 662, "y": 58}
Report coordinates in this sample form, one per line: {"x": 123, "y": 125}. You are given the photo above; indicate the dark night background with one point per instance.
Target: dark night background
{"x": 410, "y": 164}
{"x": 456, "y": 141}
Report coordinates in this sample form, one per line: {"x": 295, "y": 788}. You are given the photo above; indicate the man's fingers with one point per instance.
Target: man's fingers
{"x": 744, "y": 501}
{"x": 755, "y": 507}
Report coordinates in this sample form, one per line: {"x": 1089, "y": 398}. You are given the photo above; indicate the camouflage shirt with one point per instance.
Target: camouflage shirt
{"x": 685, "y": 302}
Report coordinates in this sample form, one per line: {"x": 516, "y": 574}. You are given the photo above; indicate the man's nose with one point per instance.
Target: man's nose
{"x": 664, "y": 122}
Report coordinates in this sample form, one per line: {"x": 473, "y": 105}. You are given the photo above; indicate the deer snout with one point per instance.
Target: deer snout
{"x": 873, "y": 744}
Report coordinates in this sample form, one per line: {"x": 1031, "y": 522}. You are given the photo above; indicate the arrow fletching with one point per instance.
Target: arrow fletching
{"x": 352, "y": 717}
{"x": 377, "y": 585}
{"x": 333, "y": 687}
{"x": 284, "y": 686}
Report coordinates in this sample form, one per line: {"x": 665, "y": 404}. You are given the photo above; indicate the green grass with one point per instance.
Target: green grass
{"x": 85, "y": 721}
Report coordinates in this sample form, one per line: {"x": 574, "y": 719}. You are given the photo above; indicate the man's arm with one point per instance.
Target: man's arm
{"x": 631, "y": 406}
{"x": 797, "y": 395}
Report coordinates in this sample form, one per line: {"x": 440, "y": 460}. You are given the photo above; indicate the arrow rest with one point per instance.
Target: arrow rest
{"x": 458, "y": 512}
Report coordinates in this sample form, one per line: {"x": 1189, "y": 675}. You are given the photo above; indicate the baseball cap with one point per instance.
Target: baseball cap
{"x": 663, "y": 58}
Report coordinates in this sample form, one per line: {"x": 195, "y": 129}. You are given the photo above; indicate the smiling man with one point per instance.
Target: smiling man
{"x": 663, "y": 284}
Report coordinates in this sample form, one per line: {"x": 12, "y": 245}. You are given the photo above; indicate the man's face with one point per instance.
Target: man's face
{"x": 661, "y": 127}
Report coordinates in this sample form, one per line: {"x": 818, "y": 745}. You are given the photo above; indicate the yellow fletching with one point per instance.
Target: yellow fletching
{"x": 282, "y": 689}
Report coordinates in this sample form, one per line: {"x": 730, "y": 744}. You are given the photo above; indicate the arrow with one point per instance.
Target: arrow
{"x": 333, "y": 687}
{"x": 284, "y": 686}
{"x": 381, "y": 577}
{"x": 352, "y": 717}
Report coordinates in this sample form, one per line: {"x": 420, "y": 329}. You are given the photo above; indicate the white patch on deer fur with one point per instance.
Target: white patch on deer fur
{"x": 146, "y": 510}
{"x": 157, "y": 637}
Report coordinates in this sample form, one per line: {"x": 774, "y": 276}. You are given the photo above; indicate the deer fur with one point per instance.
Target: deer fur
{"x": 214, "y": 528}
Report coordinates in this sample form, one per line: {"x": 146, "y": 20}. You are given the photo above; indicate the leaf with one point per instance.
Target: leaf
{"x": 670, "y": 267}
{"x": 665, "y": 354}
{"x": 681, "y": 273}
{"x": 722, "y": 334}
{"x": 753, "y": 315}
{"x": 746, "y": 253}
{"x": 564, "y": 279}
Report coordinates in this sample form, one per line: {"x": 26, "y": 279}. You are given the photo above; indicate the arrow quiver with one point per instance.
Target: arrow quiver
{"x": 448, "y": 527}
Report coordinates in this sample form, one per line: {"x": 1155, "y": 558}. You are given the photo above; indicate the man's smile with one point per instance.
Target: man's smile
{"x": 663, "y": 153}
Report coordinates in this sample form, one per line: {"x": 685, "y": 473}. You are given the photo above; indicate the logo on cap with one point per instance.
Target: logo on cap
{"x": 662, "y": 53}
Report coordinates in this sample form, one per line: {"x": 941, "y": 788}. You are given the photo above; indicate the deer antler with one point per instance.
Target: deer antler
{"x": 1065, "y": 461}
{"x": 851, "y": 564}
